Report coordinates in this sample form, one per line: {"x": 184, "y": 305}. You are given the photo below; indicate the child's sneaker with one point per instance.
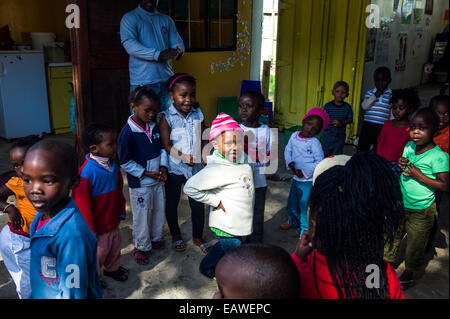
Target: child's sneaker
{"x": 120, "y": 274}
{"x": 285, "y": 226}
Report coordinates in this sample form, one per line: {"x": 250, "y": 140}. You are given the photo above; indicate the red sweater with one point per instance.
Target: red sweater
{"x": 392, "y": 141}
{"x": 325, "y": 283}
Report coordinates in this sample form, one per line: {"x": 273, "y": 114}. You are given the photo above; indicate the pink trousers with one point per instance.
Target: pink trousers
{"x": 108, "y": 250}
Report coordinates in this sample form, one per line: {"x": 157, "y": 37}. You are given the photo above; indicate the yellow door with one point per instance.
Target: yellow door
{"x": 58, "y": 79}
{"x": 320, "y": 42}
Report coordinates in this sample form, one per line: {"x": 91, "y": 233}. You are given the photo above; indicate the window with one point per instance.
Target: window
{"x": 204, "y": 25}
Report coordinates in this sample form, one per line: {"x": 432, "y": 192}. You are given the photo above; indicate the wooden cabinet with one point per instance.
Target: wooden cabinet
{"x": 59, "y": 97}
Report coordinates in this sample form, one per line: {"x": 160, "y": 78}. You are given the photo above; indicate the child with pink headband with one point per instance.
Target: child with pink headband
{"x": 302, "y": 154}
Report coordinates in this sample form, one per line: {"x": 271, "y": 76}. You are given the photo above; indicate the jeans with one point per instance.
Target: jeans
{"x": 173, "y": 193}
{"x": 297, "y": 206}
{"x": 210, "y": 261}
{"x": 332, "y": 145}
{"x": 258, "y": 216}
{"x": 161, "y": 90}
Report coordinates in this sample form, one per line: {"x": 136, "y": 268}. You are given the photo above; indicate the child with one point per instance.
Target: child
{"x": 142, "y": 156}
{"x": 256, "y": 271}
{"x": 395, "y": 133}
{"x": 100, "y": 197}
{"x": 302, "y": 154}
{"x": 259, "y": 138}
{"x": 377, "y": 104}
{"x": 440, "y": 105}
{"x": 63, "y": 248}
{"x": 425, "y": 170}
{"x": 181, "y": 129}
{"x": 341, "y": 115}
{"x": 355, "y": 209}
{"x": 15, "y": 237}
{"x": 227, "y": 186}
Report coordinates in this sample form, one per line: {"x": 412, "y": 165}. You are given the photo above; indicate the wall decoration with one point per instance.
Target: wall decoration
{"x": 383, "y": 45}
{"x": 396, "y": 5}
{"x": 429, "y": 7}
{"x": 400, "y": 62}
{"x": 418, "y": 15}
{"x": 371, "y": 43}
{"x": 243, "y": 48}
{"x": 407, "y": 11}
{"x": 417, "y": 47}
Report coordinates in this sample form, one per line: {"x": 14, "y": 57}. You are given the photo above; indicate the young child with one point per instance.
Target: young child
{"x": 100, "y": 197}
{"x": 377, "y": 104}
{"x": 395, "y": 133}
{"x": 226, "y": 184}
{"x": 302, "y": 154}
{"x": 257, "y": 271}
{"x": 181, "y": 129}
{"x": 341, "y": 115}
{"x": 425, "y": 171}
{"x": 440, "y": 105}
{"x": 142, "y": 156}
{"x": 355, "y": 209}
{"x": 63, "y": 248}
{"x": 257, "y": 138}
{"x": 15, "y": 236}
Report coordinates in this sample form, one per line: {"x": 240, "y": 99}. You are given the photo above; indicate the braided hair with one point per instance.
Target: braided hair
{"x": 359, "y": 208}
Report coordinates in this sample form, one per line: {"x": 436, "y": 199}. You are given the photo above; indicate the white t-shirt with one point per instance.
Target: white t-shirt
{"x": 259, "y": 139}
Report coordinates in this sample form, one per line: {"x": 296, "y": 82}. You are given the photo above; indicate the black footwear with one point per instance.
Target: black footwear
{"x": 120, "y": 274}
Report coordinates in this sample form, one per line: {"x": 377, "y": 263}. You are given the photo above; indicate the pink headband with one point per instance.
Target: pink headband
{"x": 178, "y": 77}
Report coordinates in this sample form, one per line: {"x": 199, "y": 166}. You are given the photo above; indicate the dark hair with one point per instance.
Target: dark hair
{"x": 65, "y": 155}
{"x": 93, "y": 134}
{"x": 343, "y": 84}
{"x": 179, "y": 78}
{"x": 409, "y": 96}
{"x": 359, "y": 209}
{"x": 271, "y": 272}
{"x": 25, "y": 142}
{"x": 430, "y": 117}
{"x": 439, "y": 99}
{"x": 384, "y": 71}
{"x": 257, "y": 96}
{"x": 140, "y": 93}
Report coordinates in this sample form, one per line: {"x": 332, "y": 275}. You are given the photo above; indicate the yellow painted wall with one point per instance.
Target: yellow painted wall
{"x": 25, "y": 16}
{"x": 219, "y": 84}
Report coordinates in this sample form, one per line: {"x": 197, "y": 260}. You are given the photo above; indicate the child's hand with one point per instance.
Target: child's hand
{"x": 378, "y": 93}
{"x": 162, "y": 174}
{"x": 336, "y": 123}
{"x": 299, "y": 173}
{"x": 190, "y": 160}
{"x": 15, "y": 217}
{"x": 402, "y": 162}
{"x": 305, "y": 246}
{"x": 220, "y": 207}
{"x": 413, "y": 172}
{"x": 154, "y": 175}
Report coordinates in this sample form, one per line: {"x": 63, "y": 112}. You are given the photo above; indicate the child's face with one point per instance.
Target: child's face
{"x": 400, "y": 110}
{"x": 421, "y": 131}
{"x": 108, "y": 147}
{"x": 228, "y": 282}
{"x": 248, "y": 109}
{"x": 340, "y": 93}
{"x": 311, "y": 126}
{"x": 146, "y": 111}
{"x": 184, "y": 97}
{"x": 17, "y": 156}
{"x": 46, "y": 182}
{"x": 381, "y": 82}
{"x": 230, "y": 145}
{"x": 441, "y": 110}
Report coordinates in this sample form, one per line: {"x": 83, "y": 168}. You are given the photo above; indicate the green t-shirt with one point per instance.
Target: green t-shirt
{"x": 417, "y": 195}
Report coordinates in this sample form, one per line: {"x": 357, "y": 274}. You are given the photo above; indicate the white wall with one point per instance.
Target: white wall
{"x": 412, "y": 76}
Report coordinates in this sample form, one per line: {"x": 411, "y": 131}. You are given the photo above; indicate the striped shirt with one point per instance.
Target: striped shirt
{"x": 380, "y": 111}
{"x": 338, "y": 113}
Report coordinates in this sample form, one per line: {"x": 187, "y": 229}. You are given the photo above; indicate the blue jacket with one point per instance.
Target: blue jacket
{"x": 64, "y": 257}
{"x": 139, "y": 152}
{"x": 144, "y": 36}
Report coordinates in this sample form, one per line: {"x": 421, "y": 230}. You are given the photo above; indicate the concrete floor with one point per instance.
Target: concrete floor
{"x": 172, "y": 275}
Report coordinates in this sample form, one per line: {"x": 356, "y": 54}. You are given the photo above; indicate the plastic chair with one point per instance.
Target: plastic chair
{"x": 229, "y": 105}
{"x": 248, "y": 85}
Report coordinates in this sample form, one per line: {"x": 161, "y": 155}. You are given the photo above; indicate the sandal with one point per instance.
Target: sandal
{"x": 157, "y": 244}
{"x": 140, "y": 257}
{"x": 179, "y": 245}
{"x": 118, "y": 275}
{"x": 203, "y": 245}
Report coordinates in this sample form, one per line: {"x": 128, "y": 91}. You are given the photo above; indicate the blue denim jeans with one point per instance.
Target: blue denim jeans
{"x": 332, "y": 145}
{"x": 161, "y": 90}
{"x": 210, "y": 261}
{"x": 297, "y": 206}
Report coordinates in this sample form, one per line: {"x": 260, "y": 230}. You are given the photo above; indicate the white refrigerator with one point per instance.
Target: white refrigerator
{"x": 23, "y": 94}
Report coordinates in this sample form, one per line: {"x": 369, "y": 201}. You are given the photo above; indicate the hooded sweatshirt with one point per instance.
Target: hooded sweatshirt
{"x": 229, "y": 183}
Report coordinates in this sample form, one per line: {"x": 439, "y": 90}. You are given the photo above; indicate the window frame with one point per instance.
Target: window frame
{"x": 207, "y": 29}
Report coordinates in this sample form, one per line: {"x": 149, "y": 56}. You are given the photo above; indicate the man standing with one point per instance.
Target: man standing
{"x": 152, "y": 41}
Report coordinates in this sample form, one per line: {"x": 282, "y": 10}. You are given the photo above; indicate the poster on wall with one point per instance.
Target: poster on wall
{"x": 400, "y": 62}
{"x": 417, "y": 46}
{"x": 407, "y": 11}
{"x": 418, "y": 15}
{"x": 396, "y": 5}
{"x": 383, "y": 45}
{"x": 429, "y": 7}
{"x": 371, "y": 43}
